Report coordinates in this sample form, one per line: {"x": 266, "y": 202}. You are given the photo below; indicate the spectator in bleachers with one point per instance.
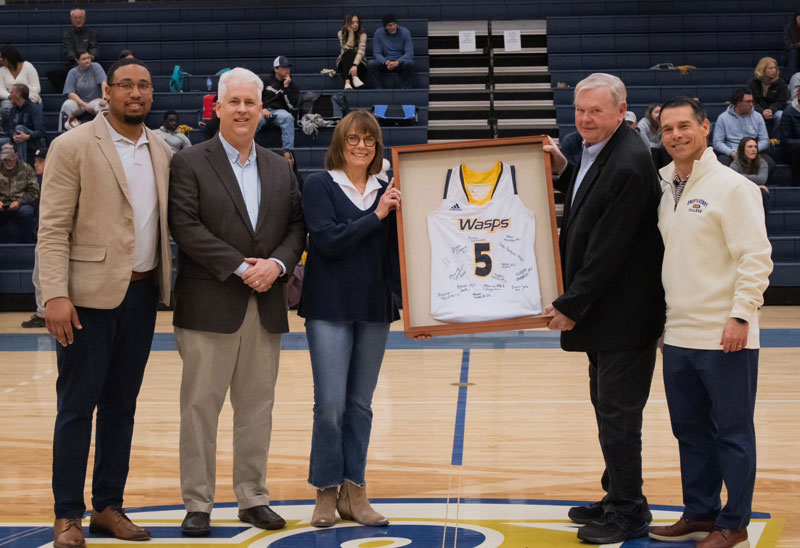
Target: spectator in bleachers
{"x": 16, "y": 70}
{"x": 76, "y": 39}
{"x": 19, "y": 191}
{"x": 37, "y": 319}
{"x": 393, "y": 52}
{"x": 790, "y": 138}
{"x": 84, "y": 90}
{"x": 791, "y": 39}
{"x": 749, "y": 163}
{"x": 739, "y": 121}
{"x": 24, "y": 124}
{"x": 649, "y": 126}
{"x": 351, "y": 63}
{"x": 770, "y": 92}
{"x": 176, "y": 140}
{"x": 794, "y": 84}
{"x": 281, "y": 98}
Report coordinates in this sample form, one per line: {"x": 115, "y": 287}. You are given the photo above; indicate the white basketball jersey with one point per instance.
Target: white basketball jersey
{"x": 483, "y": 265}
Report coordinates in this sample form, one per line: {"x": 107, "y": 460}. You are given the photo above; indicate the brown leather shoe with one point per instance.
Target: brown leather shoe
{"x": 113, "y": 521}
{"x": 683, "y": 529}
{"x": 68, "y": 533}
{"x": 724, "y": 538}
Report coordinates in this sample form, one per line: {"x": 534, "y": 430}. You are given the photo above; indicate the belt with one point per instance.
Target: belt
{"x": 138, "y": 276}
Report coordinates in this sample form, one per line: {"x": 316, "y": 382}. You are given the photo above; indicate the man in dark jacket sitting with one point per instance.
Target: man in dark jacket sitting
{"x": 281, "y": 98}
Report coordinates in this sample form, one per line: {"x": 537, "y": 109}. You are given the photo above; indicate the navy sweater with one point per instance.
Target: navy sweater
{"x": 352, "y": 270}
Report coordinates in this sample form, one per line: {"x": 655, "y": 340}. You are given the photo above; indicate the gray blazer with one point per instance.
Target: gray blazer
{"x": 209, "y": 221}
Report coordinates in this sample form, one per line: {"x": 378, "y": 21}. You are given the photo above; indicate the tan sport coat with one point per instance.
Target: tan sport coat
{"x": 86, "y": 233}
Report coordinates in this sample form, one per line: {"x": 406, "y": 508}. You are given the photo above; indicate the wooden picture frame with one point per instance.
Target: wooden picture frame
{"x": 420, "y": 172}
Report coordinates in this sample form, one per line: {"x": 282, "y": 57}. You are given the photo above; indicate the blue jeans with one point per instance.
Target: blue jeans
{"x": 18, "y": 226}
{"x": 285, "y": 121}
{"x": 23, "y": 147}
{"x": 711, "y": 398}
{"x": 345, "y": 361}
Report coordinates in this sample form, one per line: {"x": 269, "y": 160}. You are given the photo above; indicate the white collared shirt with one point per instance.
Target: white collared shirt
{"x": 588, "y": 156}
{"x": 361, "y": 201}
{"x": 139, "y": 175}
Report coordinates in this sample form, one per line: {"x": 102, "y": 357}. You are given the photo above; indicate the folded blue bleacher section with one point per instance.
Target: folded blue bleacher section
{"x": 719, "y": 50}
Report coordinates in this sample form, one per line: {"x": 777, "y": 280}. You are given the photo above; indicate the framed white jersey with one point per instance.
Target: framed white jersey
{"x": 483, "y": 265}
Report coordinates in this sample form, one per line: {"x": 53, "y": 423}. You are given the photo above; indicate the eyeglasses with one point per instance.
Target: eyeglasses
{"x": 353, "y": 140}
{"x": 143, "y": 87}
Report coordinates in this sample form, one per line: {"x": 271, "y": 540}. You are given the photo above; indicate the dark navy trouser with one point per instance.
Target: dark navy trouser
{"x": 711, "y": 397}
{"x": 103, "y": 369}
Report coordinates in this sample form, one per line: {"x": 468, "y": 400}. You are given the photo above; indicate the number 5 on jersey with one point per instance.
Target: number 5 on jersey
{"x": 482, "y": 257}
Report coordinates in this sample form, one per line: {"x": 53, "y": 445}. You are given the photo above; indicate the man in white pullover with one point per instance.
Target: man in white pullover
{"x": 716, "y": 268}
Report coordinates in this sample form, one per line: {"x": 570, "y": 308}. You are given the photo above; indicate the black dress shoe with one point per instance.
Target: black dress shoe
{"x": 262, "y": 517}
{"x": 196, "y": 524}
{"x": 614, "y": 528}
{"x": 586, "y": 514}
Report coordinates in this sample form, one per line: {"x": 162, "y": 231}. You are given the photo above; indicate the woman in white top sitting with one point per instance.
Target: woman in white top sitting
{"x": 16, "y": 70}
{"x": 352, "y": 63}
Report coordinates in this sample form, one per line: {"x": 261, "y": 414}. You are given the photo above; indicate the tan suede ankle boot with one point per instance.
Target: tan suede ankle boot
{"x": 325, "y": 511}
{"x": 353, "y": 504}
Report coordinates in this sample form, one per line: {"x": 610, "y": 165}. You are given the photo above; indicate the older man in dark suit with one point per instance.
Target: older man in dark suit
{"x": 613, "y": 304}
{"x": 234, "y": 210}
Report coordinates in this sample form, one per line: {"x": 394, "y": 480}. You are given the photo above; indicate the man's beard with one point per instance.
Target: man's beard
{"x": 133, "y": 120}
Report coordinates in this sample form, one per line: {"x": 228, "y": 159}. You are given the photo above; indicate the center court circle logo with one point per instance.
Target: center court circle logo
{"x": 396, "y": 535}
{"x": 415, "y": 523}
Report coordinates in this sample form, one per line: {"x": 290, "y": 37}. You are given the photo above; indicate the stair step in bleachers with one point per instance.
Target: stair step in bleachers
{"x": 459, "y": 98}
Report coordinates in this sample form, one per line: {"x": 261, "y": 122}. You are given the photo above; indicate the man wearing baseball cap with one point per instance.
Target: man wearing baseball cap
{"x": 19, "y": 192}
{"x": 281, "y": 98}
{"x": 393, "y": 52}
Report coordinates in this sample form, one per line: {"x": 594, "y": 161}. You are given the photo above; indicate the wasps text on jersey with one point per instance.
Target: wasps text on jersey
{"x": 482, "y": 224}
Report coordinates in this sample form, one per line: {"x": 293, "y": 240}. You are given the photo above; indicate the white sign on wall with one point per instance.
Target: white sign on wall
{"x": 513, "y": 40}
{"x": 466, "y": 40}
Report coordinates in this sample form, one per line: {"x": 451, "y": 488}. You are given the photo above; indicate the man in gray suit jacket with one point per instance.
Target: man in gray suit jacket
{"x": 234, "y": 210}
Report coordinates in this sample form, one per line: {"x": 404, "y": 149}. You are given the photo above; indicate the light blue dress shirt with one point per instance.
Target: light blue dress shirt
{"x": 588, "y": 156}
{"x": 249, "y": 182}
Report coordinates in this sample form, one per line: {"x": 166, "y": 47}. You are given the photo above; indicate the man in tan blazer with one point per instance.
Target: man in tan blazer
{"x": 234, "y": 211}
{"x": 104, "y": 259}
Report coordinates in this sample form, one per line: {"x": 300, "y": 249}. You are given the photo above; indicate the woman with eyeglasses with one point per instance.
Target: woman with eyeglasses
{"x": 348, "y": 301}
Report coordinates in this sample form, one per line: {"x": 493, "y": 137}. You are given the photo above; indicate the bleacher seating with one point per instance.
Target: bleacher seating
{"x": 723, "y": 40}
{"x": 722, "y": 50}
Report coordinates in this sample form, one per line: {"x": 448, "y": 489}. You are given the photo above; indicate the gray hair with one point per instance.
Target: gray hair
{"x": 77, "y": 11}
{"x": 600, "y": 79}
{"x": 242, "y": 74}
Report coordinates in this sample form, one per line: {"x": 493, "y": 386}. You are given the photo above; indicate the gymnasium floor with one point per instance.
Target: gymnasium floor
{"x": 478, "y": 441}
